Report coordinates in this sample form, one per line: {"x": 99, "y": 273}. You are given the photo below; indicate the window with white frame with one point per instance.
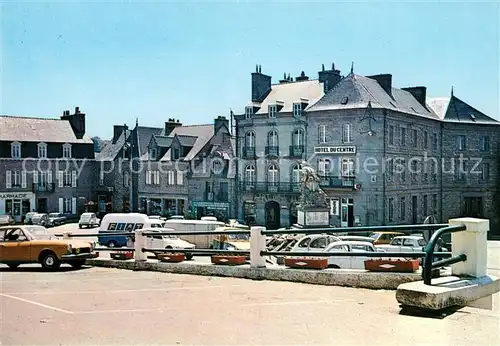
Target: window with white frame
{"x": 170, "y": 178}
{"x": 272, "y": 109}
{"x": 67, "y": 209}
{"x": 273, "y": 174}
{"x": 296, "y": 174}
{"x": 16, "y": 179}
{"x": 322, "y": 133}
{"x": 152, "y": 154}
{"x": 298, "y": 138}
{"x": 348, "y": 167}
{"x": 324, "y": 167}
{"x": 180, "y": 178}
{"x": 272, "y": 138}
{"x": 152, "y": 177}
{"x": 15, "y": 150}
{"x": 250, "y": 174}
{"x": 42, "y": 150}
{"x": 67, "y": 178}
{"x": 485, "y": 171}
{"x": 248, "y": 112}
{"x": 347, "y": 133}
{"x": 485, "y": 143}
{"x": 250, "y": 140}
{"x": 297, "y": 109}
{"x": 67, "y": 151}
{"x": 126, "y": 179}
{"x": 461, "y": 142}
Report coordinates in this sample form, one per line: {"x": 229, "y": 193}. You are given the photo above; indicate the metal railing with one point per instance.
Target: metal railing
{"x": 249, "y": 152}
{"x": 428, "y": 263}
{"x": 296, "y": 150}
{"x": 336, "y": 182}
{"x": 272, "y": 150}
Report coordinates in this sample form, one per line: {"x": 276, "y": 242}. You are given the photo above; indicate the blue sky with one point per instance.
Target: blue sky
{"x": 119, "y": 61}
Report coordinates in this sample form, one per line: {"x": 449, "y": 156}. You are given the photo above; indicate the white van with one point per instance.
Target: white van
{"x": 200, "y": 241}
{"x": 130, "y": 222}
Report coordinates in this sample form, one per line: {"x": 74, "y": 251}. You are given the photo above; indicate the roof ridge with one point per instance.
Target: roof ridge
{"x": 26, "y": 117}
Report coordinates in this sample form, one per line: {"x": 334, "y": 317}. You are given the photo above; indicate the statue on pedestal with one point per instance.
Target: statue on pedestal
{"x": 312, "y": 196}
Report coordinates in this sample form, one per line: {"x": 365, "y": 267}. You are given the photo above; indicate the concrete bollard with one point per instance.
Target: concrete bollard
{"x": 257, "y": 244}
{"x": 472, "y": 242}
{"x": 139, "y": 244}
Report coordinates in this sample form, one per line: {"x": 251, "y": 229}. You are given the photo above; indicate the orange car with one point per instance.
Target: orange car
{"x": 22, "y": 245}
{"x": 384, "y": 237}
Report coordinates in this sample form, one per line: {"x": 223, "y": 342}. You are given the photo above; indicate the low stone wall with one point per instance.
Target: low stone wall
{"x": 331, "y": 277}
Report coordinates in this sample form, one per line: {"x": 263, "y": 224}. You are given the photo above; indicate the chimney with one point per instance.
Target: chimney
{"x": 302, "y": 77}
{"x": 385, "y": 81}
{"x": 77, "y": 122}
{"x": 219, "y": 122}
{"x": 329, "y": 78}
{"x": 170, "y": 125}
{"x": 418, "y": 92}
{"x": 285, "y": 79}
{"x": 261, "y": 85}
{"x": 117, "y": 131}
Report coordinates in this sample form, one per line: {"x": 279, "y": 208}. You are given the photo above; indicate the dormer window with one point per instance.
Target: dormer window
{"x": 272, "y": 109}
{"x": 344, "y": 100}
{"x": 67, "y": 151}
{"x": 152, "y": 154}
{"x": 248, "y": 112}
{"x": 15, "y": 150}
{"x": 42, "y": 150}
{"x": 297, "y": 109}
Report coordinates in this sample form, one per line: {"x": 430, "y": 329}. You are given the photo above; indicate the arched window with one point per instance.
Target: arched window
{"x": 250, "y": 140}
{"x": 298, "y": 138}
{"x": 272, "y": 139}
{"x": 42, "y": 150}
{"x": 324, "y": 167}
{"x": 296, "y": 174}
{"x": 273, "y": 174}
{"x": 250, "y": 174}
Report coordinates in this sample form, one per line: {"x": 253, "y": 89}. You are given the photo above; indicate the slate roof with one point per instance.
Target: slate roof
{"x": 452, "y": 109}
{"x": 144, "y": 135}
{"x": 187, "y": 141}
{"x": 162, "y": 141}
{"x": 25, "y": 129}
{"x": 289, "y": 93}
{"x": 360, "y": 90}
{"x": 201, "y": 133}
{"x": 110, "y": 149}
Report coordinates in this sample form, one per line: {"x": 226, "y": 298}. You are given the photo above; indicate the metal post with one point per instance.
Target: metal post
{"x": 139, "y": 244}
{"x": 257, "y": 244}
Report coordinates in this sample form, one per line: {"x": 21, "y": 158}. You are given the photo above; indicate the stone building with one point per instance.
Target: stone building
{"x": 46, "y": 165}
{"x": 168, "y": 171}
{"x": 381, "y": 151}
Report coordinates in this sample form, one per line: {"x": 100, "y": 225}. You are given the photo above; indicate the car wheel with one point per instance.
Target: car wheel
{"x": 111, "y": 243}
{"x": 50, "y": 261}
{"x": 13, "y": 265}
{"x": 189, "y": 256}
{"x": 80, "y": 226}
{"x": 77, "y": 264}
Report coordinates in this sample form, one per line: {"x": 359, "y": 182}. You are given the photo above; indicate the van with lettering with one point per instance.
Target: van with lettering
{"x": 123, "y": 223}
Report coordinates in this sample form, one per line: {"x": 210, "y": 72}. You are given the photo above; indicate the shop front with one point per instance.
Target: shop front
{"x": 161, "y": 206}
{"x": 17, "y": 204}
{"x": 205, "y": 208}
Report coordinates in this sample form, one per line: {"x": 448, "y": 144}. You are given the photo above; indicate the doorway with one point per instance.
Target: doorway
{"x": 272, "y": 210}
{"x": 347, "y": 212}
{"x": 42, "y": 205}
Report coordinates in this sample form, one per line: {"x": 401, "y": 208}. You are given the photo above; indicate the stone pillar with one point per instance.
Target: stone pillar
{"x": 472, "y": 242}
{"x": 257, "y": 244}
{"x": 140, "y": 242}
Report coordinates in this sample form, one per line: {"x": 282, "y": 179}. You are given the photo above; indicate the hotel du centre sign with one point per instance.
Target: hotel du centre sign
{"x": 342, "y": 149}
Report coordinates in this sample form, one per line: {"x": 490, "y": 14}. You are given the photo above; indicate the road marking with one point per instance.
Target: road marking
{"x": 115, "y": 311}
{"x": 35, "y": 303}
{"x": 125, "y": 290}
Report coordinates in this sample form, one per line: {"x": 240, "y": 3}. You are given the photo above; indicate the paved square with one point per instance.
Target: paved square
{"x": 116, "y": 307}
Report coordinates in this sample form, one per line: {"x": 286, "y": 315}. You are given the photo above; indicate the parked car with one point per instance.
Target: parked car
{"x": 40, "y": 232}
{"x": 40, "y": 219}
{"x": 407, "y": 243}
{"x": 314, "y": 243}
{"x": 56, "y": 219}
{"x": 88, "y": 220}
{"x": 28, "y": 217}
{"x": 167, "y": 241}
{"x": 349, "y": 262}
{"x": 357, "y": 238}
{"x": 18, "y": 245}
{"x": 384, "y": 237}
{"x": 6, "y": 219}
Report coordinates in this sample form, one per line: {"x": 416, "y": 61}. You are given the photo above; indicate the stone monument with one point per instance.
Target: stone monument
{"x": 314, "y": 208}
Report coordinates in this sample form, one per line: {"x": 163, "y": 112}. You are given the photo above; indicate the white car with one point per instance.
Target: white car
{"x": 405, "y": 243}
{"x": 167, "y": 241}
{"x": 349, "y": 262}
{"x": 314, "y": 243}
{"x": 88, "y": 220}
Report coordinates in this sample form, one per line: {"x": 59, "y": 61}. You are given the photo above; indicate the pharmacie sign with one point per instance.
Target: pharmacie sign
{"x": 15, "y": 195}
{"x": 346, "y": 149}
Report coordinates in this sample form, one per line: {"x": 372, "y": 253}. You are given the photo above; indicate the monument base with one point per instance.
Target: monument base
{"x": 313, "y": 218}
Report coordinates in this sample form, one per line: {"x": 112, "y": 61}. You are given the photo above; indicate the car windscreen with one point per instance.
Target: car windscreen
{"x": 40, "y": 233}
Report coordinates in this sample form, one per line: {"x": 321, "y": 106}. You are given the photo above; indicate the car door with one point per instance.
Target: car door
{"x": 339, "y": 261}
{"x": 318, "y": 245}
{"x": 16, "y": 246}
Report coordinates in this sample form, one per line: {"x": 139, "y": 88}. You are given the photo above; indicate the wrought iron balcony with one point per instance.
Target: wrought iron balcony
{"x": 272, "y": 151}
{"x": 249, "y": 152}
{"x": 336, "y": 182}
{"x": 296, "y": 150}
{"x": 263, "y": 187}
{"x": 45, "y": 187}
